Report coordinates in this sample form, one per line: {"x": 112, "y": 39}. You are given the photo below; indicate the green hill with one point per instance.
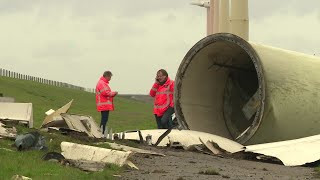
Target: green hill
{"x": 129, "y": 114}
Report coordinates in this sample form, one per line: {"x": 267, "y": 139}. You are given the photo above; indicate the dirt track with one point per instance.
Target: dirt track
{"x": 185, "y": 165}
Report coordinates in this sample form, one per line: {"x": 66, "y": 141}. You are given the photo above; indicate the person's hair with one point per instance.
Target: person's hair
{"x": 107, "y": 74}
{"x": 164, "y": 72}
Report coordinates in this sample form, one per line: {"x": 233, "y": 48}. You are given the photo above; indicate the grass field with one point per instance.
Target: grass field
{"x": 129, "y": 114}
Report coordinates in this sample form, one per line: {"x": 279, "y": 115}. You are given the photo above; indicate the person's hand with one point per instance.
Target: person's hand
{"x": 115, "y": 93}
{"x": 157, "y": 81}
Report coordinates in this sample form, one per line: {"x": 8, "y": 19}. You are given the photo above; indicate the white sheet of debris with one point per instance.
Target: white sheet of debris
{"x": 82, "y": 123}
{"x": 82, "y": 152}
{"x": 7, "y": 132}
{"x": 292, "y": 152}
{"x": 187, "y": 138}
{"x": 18, "y": 112}
{"x": 135, "y": 150}
{"x": 55, "y": 115}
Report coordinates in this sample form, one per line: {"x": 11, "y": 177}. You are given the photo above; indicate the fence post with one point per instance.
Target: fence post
{"x": 11, "y": 74}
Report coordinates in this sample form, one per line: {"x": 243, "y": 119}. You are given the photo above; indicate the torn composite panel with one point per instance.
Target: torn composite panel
{"x": 132, "y": 149}
{"x": 53, "y": 118}
{"x": 81, "y": 152}
{"x": 21, "y": 112}
{"x": 187, "y": 138}
{"x": 7, "y": 132}
{"x": 82, "y": 123}
{"x": 292, "y": 152}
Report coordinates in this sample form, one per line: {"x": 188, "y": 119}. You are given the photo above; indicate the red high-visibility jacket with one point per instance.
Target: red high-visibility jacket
{"x": 104, "y": 95}
{"x": 163, "y": 96}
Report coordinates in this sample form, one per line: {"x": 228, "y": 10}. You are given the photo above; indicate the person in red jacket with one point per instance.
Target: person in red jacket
{"x": 104, "y": 98}
{"x": 162, "y": 91}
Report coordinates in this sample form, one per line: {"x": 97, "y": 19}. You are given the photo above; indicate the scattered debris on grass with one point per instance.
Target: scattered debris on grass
{"x": 132, "y": 149}
{"x": 20, "y": 177}
{"x": 53, "y": 156}
{"x": 10, "y": 133}
{"x": 89, "y": 156}
{"x": 31, "y": 140}
{"x": 16, "y": 113}
{"x": 60, "y": 120}
{"x": 6, "y": 149}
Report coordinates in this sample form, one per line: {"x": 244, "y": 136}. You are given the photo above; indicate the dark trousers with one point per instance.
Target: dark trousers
{"x": 104, "y": 120}
{"x": 165, "y": 121}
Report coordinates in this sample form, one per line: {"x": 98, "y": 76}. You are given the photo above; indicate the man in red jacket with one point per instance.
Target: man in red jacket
{"x": 104, "y": 98}
{"x": 162, "y": 91}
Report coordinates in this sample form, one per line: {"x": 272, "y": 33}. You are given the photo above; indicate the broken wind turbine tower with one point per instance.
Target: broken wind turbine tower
{"x": 241, "y": 90}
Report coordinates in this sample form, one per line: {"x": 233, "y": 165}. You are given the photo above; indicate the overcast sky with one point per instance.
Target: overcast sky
{"x": 74, "y": 41}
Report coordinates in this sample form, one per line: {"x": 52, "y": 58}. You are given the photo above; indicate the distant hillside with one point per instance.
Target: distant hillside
{"x": 131, "y": 111}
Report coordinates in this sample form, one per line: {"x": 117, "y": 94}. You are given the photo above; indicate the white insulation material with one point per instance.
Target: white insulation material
{"x": 187, "y": 138}
{"x": 91, "y": 153}
{"x": 292, "y": 152}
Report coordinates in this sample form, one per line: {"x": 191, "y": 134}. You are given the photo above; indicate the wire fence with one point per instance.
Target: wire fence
{"x": 11, "y": 74}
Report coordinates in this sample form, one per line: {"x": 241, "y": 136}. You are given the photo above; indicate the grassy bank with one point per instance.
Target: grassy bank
{"x": 128, "y": 114}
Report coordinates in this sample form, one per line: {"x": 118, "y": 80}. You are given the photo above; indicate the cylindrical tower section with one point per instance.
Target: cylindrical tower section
{"x": 248, "y": 92}
{"x": 209, "y": 22}
{"x": 239, "y": 20}
{"x": 214, "y": 7}
{"x": 224, "y": 16}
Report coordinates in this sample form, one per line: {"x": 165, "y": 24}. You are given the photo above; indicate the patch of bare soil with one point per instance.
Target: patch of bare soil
{"x": 185, "y": 165}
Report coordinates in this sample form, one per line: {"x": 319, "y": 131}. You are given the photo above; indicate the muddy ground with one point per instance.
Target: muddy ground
{"x": 185, "y": 165}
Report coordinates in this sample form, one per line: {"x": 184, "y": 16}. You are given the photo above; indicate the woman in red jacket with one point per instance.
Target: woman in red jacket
{"x": 162, "y": 91}
{"x": 104, "y": 98}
